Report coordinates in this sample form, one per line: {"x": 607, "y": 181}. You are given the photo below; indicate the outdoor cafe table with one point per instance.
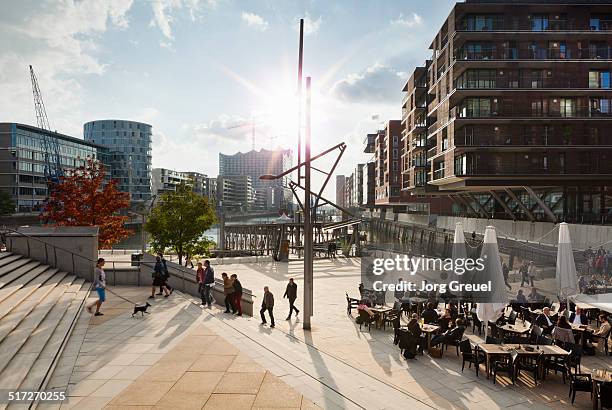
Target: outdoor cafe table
{"x": 490, "y": 349}
{"x": 382, "y": 313}
{"x": 429, "y": 330}
{"x": 582, "y": 329}
{"x": 599, "y": 376}
{"x": 516, "y": 329}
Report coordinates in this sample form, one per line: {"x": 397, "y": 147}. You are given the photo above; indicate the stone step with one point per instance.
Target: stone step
{"x": 20, "y": 304}
{"x": 19, "y": 282}
{"x": 20, "y": 349}
{"x": 11, "y": 276}
{"x": 5, "y": 254}
{"x": 34, "y": 378}
{"x": 9, "y": 264}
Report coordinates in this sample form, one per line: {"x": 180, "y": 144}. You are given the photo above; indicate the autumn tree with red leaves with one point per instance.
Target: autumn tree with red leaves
{"x": 84, "y": 198}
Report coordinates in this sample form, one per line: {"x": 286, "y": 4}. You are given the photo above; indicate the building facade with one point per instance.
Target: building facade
{"x": 167, "y": 180}
{"x": 270, "y": 194}
{"x": 129, "y": 145}
{"x": 235, "y": 193}
{"x": 388, "y": 152}
{"x": 22, "y": 162}
{"x": 516, "y": 113}
{"x": 341, "y": 191}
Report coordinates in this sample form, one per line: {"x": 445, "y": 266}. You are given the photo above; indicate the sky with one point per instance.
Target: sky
{"x": 202, "y": 72}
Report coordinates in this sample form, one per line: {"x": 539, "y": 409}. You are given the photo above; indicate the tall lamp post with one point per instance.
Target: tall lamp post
{"x": 308, "y": 268}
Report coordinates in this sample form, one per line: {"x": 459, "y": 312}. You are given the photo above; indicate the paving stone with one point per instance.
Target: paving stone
{"x": 196, "y": 382}
{"x": 212, "y": 363}
{"x": 244, "y": 383}
{"x": 229, "y": 402}
{"x": 142, "y": 393}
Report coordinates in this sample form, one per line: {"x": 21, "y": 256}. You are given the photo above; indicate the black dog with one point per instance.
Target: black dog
{"x": 141, "y": 309}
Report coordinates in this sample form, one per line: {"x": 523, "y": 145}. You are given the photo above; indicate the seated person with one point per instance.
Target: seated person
{"x": 449, "y": 334}
{"x": 445, "y": 320}
{"x": 534, "y": 296}
{"x": 563, "y": 331}
{"x": 602, "y": 333}
{"x": 578, "y": 317}
{"x": 545, "y": 321}
{"x": 429, "y": 315}
{"x": 520, "y": 298}
{"x": 364, "y": 306}
{"x": 413, "y": 341}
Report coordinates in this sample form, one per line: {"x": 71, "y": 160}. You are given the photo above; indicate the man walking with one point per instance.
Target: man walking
{"x": 209, "y": 281}
{"x": 200, "y": 273}
{"x": 506, "y": 273}
{"x": 267, "y": 304}
{"x": 166, "y": 274}
{"x": 291, "y": 294}
{"x": 237, "y": 295}
{"x": 531, "y": 272}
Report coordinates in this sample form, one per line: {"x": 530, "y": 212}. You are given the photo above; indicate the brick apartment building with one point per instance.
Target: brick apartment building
{"x": 510, "y": 118}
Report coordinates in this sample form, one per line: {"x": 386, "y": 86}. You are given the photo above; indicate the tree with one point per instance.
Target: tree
{"x": 7, "y": 205}
{"x": 84, "y": 198}
{"x": 180, "y": 220}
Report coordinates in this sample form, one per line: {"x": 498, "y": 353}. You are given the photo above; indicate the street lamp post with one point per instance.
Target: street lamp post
{"x": 308, "y": 269}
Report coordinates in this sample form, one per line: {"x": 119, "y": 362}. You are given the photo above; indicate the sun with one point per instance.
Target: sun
{"x": 279, "y": 114}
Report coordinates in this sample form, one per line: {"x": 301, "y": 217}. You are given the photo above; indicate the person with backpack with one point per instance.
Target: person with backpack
{"x": 166, "y": 274}
{"x": 207, "y": 284}
{"x": 158, "y": 279}
{"x": 237, "y": 295}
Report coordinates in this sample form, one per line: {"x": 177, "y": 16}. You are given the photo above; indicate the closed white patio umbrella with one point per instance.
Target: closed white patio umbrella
{"x": 565, "y": 275}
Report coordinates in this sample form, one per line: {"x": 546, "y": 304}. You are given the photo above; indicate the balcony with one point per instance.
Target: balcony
{"x": 534, "y": 53}
{"x": 439, "y": 173}
{"x": 432, "y": 151}
{"x": 532, "y": 26}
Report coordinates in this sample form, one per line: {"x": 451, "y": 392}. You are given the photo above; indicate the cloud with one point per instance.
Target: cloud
{"x": 311, "y": 27}
{"x": 59, "y": 40}
{"x": 411, "y": 21}
{"x": 164, "y": 11}
{"x": 377, "y": 84}
{"x": 254, "y": 20}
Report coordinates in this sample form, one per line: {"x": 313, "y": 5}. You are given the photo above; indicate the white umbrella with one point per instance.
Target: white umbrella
{"x": 567, "y": 283}
{"x": 459, "y": 252}
{"x": 601, "y": 301}
{"x": 493, "y": 309}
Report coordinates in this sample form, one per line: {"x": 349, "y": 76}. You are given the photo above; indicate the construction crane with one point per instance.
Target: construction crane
{"x": 53, "y": 165}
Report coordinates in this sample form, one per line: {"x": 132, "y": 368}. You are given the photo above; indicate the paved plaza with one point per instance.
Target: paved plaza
{"x": 181, "y": 356}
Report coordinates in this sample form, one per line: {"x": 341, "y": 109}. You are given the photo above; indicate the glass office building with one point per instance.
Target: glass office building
{"x": 22, "y": 162}
{"x": 129, "y": 145}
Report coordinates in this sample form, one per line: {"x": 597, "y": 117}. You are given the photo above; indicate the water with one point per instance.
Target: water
{"x": 213, "y": 232}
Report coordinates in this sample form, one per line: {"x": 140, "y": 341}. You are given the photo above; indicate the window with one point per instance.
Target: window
{"x": 539, "y": 22}
{"x": 600, "y": 106}
{"x": 599, "y": 79}
{"x": 478, "y": 107}
{"x": 395, "y": 140}
{"x": 567, "y": 107}
{"x": 484, "y": 22}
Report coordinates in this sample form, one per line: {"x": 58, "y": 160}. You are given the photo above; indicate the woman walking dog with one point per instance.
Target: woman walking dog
{"x": 100, "y": 287}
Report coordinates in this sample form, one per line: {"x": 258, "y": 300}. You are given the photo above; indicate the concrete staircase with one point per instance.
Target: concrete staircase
{"x": 38, "y": 305}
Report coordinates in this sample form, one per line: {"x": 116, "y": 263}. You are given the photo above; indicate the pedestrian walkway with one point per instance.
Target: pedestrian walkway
{"x": 168, "y": 359}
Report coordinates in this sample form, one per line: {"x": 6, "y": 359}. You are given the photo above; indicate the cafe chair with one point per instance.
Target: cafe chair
{"x": 579, "y": 382}
{"x": 506, "y": 365}
{"x": 476, "y": 323}
{"x": 454, "y": 338}
{"x": 604, "y": 395}
{"x": 512, "y": 318}
{"x": 530, "y": 366}
{"x": 536, "y": 331}
{"x": 545, "y": 341}
{"x": 366, "y": 319}
{"x": 394, "y": 315}
{"x": 350, "y": 304}
{"x": 559, "y": 365}
{"x": 574, "y": 358}
{"x": 493, "y": 340}
{"x": 472, "y": 356}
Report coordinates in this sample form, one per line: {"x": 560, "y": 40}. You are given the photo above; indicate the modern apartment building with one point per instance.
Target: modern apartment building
{"x": 341, "y": 191}
{"x": 129, "y": 144}
{"x": 167, "y": 180}
{"x": 235, "y": 193}
{"x": 271, "y": 194}
{"x": 388, "y": 152}
{"x": 511, "y": 116}
{"x": 22, "y": 162}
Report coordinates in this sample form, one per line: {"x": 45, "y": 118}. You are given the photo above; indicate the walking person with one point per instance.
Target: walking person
{"x": 523, "y": 272}
{"x": 207, "y": 284}
{"x": 291, "y": 294}
{"x": 228, "y": 291}
{"x": 200, "y": 274}
{"x": 267, "y": 304}
{"x": 237, "y": 295}
{"x": 158, "y": 279}
{"x": 506, "y": 273}
{"x": 166, "y": 274}
{"x": 100, "y": 287}
{"x": 531, "y": 272}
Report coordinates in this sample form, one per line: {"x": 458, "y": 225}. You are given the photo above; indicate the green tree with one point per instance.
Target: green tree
{"x": 180, "y": 220}
{"x": 7, "y": 205}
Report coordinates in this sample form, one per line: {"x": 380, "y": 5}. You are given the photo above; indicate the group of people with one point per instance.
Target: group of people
{"x": 160, "y": 277}
{"x": 596, "y": 261}
{"x": 533, "y": 297}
